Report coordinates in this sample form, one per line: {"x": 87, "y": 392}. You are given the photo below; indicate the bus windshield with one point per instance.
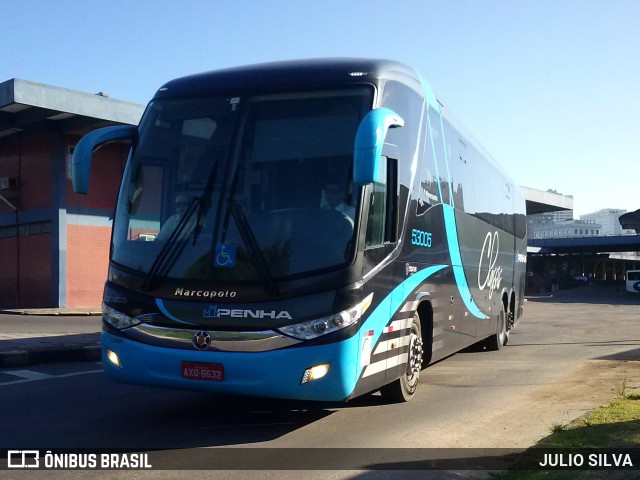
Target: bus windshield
{"x": 237, "y": 188}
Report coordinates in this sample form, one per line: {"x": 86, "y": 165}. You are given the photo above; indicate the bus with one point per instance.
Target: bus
{"x": 311, "y": 230}
{"x": 632, "y": 281}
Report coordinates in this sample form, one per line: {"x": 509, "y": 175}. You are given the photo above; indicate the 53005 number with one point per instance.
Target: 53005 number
{"x": 421, "y": 238}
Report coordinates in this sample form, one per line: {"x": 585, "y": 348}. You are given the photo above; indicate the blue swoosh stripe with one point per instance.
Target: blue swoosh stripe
{"x": 168, "y": 314}
{"x": 456, "y": 261}
{"x": 380, "y": 316}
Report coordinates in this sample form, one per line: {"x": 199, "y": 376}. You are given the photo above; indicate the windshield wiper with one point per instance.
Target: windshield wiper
{"x": 255, "y": 252}
{"x": 171, "y": 248}
{"x": 246, "y": 232}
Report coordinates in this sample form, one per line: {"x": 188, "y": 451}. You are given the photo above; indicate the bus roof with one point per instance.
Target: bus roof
{"x": 290, "y": 74}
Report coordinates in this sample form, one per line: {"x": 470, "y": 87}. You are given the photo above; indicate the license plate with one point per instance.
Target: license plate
{"x": 202, "y": 371}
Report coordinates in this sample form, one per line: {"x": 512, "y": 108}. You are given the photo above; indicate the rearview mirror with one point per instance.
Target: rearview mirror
{"x": 369, "y": 141}
{"x": 81, "y": 160}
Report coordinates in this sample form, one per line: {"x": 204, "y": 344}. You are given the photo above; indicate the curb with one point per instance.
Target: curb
{"x": 23, "y": 358}
{"x": 50, "y": 312}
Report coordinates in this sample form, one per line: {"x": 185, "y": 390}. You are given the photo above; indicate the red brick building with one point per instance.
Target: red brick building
{"x": 54, "y": 244}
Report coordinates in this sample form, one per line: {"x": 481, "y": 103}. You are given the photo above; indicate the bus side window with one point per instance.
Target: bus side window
{"x": 382, "y": 221}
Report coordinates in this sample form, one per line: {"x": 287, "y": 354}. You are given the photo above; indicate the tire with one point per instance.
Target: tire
{"x": 501, "y": 337}
{"x": 404, "y": 388}
{"x": 507, "y": 331}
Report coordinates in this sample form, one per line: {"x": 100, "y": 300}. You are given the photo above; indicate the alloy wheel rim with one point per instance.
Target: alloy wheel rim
{"x": 415, "y": 355}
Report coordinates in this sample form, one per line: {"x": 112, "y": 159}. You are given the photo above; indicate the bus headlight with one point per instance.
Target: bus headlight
{"x": 116, "y": 318}
{"x": 321, "y": 326}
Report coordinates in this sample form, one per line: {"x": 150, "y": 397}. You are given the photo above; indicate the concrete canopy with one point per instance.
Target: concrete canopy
{"x": 31, "y": 106}
{"x": 538, "y": 201}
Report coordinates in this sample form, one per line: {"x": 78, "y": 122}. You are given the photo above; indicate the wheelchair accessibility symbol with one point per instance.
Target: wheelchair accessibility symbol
{"x": 225, "y": 255}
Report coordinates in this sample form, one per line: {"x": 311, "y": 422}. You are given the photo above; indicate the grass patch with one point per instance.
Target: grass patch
{"x": 615, "y": 426}
{"x": 558, "y": 427}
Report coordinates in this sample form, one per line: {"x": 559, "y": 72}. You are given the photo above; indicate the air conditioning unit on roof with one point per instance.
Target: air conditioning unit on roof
{"x": 8, "y": 183}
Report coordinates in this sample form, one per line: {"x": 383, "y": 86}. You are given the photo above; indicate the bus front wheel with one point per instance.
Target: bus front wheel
{"x": 404, "y": 388}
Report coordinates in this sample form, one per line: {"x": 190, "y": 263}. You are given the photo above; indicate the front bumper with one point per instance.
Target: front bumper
{"x": 274, "y": 373}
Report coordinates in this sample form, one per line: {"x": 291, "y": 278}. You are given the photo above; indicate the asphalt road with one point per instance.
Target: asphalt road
{"x": 25, "y": 326}
{"x": 562, "y": 360}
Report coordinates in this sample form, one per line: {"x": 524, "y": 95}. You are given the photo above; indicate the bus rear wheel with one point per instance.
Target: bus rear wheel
{"x": 501, "y": 337}
{"x": 404, "y": 388}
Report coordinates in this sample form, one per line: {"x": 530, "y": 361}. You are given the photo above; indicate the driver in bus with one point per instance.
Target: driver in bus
{"x": 182, "y": 202}
{"x": 334, "y": 195}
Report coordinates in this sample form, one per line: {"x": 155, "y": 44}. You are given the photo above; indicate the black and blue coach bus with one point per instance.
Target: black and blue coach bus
{"x": 309, "y": 230}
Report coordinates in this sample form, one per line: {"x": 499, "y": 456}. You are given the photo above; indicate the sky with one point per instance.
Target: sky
{"x": 551, "y": 88}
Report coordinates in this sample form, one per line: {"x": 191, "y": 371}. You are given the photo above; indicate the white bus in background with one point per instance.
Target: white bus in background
{"x": 633, "y": 281}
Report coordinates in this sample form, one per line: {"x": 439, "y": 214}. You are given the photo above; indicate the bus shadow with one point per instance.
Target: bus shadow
{"x": 128, "y": 417}
{"x": 194, "y": 419}
{"x": 204, "y": 420}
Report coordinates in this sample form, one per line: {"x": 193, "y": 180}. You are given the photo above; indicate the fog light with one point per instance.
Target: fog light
{"x": 314, "y": 373}
{"x": 113, "y": 358}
